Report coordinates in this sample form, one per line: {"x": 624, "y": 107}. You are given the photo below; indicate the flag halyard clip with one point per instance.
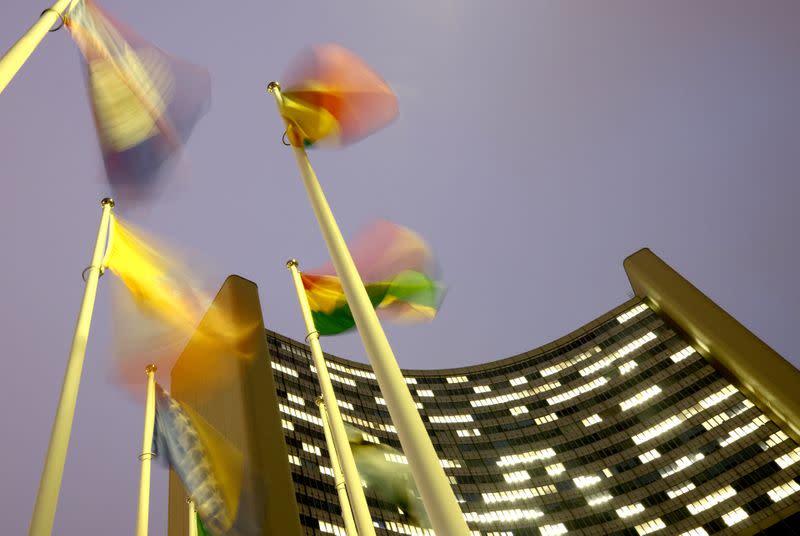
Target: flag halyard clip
{"x": 85, "y": 270}
{"x": 147, "y": 456}
{"x": 61, "y": 21}
{"x": 311, "y": 334}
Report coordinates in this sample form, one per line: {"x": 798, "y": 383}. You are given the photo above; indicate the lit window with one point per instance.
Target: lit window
{"x": 518, "y": 410}
{"x": 740, "y": 432}
{"x": 284, "y": 369}
{"x": 296, "y": 399}
{"x": 424, "y": 392}
{"x": 549, "y": 371}
{"x": 586, "y": 481}
{"x": 502, "y": 516}
{"x": 657, "y": 430}
{"x": 699, "y": 531}
{"x": 711, "y": 500}
{"x": 312, "y": 449}
{"x": 482, "y": 389}
{"x": 468, "y": 433}
{"x": 680, "y": 464}
{"x": 607, "y": 472}
{"x": 510, "y": 397}
{"x": 555, "y": 469}
{"x": 302, "y": 415}
{"x": 516, "y": 459}
{"x": 450, "y": 464}
{"x": 627, "y": 367}
{"x": 638, "y": 398}
{"x": 517, "y": 476}
{"x": 600, "y": 498}
{"x": 517, "y": 494}
{"x": 326, "y": 471}
{"x": 680, "y": 490}
{"x": 592, "y": 419}
{"x": 775, "y": 439}
{"x": 650, "y": 455}
{"x": 410, "y": 381}
{"x": 396, "y": 458}
{"x": 410, "y": 530}
{"x": 790, "y": 458}
{"x": 553, "y": 530}
{"x": 287, "y": 424}
{"x": 295, "y": 460}
{"x": 733, "y": 517}
{"x": 379, "y": 400}
{"x": 630, "y": 510}
{"x": 457, "y": 379}
{"x": 450, "y": 418}
{"x": 518, "y": 381}
{"x": 651, "y": 526}
{"x": 547, "y": 418}
{"x": 324, "y": 526}
{"x": 718, "y": 397}
{"x": 683, "y": 354}
{"x": 618, "y": 354}
{"x": 624, "y": 317}
{"x": 585, "y": 388}
{"x": 783, "y": 491}
{"x": 345, "y": 405}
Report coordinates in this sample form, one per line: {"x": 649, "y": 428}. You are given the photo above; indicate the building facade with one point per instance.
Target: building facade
{"x": 642, "y": 421}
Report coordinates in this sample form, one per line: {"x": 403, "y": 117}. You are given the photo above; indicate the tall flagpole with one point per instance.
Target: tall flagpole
{"x": 20, "y": 51}
{"x": 338, "y": 477}
{"x": 44, "y": 510}
{"x": 358, "y": 501}
{"x": 192, "y": 518}
{"x": 437, "y": 495}
{"x": 147, "y": 452}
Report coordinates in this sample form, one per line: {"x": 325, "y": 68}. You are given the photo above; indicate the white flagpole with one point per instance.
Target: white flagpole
{"x": 18, "y": 54}
{"x": 192, "y": 518}
{"x": 437, "y": 495}
{"x": 147, "y": 452}
{"x": 338, "y": 477}
{"x": 352, "y": 479}
{"x": 44, "y": 510}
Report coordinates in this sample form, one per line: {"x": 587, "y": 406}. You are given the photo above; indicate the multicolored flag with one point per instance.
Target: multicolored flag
{"x": 159, "y": 306}
{"x": 210, "y": 468}
{"x": 387, "y": 475}
{"x": 332, "y": 98}
{"x": 145, "y": 103}
{"x": 399, "y": 274}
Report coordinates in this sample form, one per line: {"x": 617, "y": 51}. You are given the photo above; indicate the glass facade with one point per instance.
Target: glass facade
{"x": 620, "y": 428}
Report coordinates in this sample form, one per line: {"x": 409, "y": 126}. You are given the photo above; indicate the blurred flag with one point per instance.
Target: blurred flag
{"x": 333, "y": 98}
{"x": 159, "y": 306}
{"x": 399, "y": 274}
{"x": 387, "y": 475}
{"x": 145, "y": 103}
{"x": 210, "y": 468}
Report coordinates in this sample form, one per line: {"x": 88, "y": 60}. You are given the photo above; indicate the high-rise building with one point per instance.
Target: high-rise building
{"x": 664, "y": 415}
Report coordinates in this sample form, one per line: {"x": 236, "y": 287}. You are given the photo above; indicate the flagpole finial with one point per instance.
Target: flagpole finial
{"x": 319, "y": 401}
{"x": 272, "y": 86}
{"x": 107, "y": 201}
{"x": 150, "y": 368}
{"x": 292, "y": 262}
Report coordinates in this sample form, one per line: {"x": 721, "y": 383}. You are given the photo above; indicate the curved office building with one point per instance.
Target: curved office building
{"x": 662, "y": 416}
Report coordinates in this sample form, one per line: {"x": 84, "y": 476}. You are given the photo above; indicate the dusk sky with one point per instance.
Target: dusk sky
{"x": 538, "y": 144}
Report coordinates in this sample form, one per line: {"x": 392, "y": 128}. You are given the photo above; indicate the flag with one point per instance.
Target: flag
{"x": 386, "y": 473}
{"x": 145, "y": 103}
{"x": 158, "y": 306}
{"x": 210, "y": 468}
{"x": 331, "y": 97}
{"x": 399, "y": 274}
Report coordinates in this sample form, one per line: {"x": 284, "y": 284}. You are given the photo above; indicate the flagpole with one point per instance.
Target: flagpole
{"x": 44, "y": 510}
{"x": 437, "y": 495}
{"x": 338, "y": 477}
{"x": 147, "y": 452}
{"x": 20, "y": 51}
{"x": 192, "y": 518}
{"x": 355, "y": 491}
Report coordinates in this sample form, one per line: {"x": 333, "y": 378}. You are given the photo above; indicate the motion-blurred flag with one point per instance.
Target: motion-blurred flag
{"x": 399, "y": 274}
{"x": 333, "y": 98}
{"x": 158, "y": 307}
{"x": 387, "y": 475}
{"x": 210, "y": 468}
{"x": 145, "y": 103}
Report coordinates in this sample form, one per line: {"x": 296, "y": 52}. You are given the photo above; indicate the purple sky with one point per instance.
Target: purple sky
{"x": 538, "y": 144}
